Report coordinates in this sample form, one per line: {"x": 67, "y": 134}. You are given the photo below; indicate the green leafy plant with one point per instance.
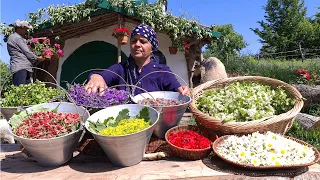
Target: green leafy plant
{"x": 29, "y": 94}
{"x": 5, "y": 77}
{"x": 314, "y": 110}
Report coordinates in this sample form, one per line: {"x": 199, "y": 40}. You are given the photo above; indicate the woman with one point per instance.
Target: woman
{"x": 143, "y": 42}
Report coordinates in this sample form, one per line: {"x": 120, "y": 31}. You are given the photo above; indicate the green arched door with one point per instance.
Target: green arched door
{"x": 92, "y": 55}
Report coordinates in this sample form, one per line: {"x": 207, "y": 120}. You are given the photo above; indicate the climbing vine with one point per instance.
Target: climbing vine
{"x": 150, "y": 14}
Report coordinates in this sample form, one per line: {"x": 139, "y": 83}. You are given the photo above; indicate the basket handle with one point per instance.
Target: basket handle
{"x": 135, "y": 86}
{"x": 164, "y": 72}
{"x": 62, "y": 93}
{"x": 98, "y": 69}
{"x": 8, "y": 78}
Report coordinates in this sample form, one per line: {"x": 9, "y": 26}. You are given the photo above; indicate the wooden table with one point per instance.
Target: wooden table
{"x": 14, "y": 166}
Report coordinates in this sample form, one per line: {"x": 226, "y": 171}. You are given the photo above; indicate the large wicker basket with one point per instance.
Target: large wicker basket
{"x": 221, "y": 140}
{"x": 278, "y": 124}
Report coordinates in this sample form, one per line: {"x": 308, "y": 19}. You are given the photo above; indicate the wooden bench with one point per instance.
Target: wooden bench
{"x": 14, "y": 166}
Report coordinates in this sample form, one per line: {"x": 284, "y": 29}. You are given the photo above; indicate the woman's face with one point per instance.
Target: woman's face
{"x": 140, "y": 47}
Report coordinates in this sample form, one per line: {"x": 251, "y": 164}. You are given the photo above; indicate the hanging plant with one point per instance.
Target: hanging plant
{"x": 121, "y": 34}
{"x": 173, "y": 50}
{"x": 150, "y": 14}
{"x": 181, "y": 46}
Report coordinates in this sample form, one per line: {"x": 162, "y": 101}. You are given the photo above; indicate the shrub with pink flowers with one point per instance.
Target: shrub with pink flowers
{"x": 44, "y": 47}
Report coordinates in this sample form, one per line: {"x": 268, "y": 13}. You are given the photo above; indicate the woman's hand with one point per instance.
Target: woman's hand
{"x": 95, "y": 83}
{"x": 184, "y": 90}
{"x": 41, "y": 38}
{"x": 40, "y": 58}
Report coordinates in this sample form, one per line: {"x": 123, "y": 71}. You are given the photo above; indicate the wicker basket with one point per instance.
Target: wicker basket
{"x": 220, "y": 140}
{"x": 278, "y": 123}
{"x": 189, "y": 154}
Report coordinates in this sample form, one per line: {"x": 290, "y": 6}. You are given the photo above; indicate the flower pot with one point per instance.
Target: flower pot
{"x": 45, "y": 55}
{"x": 122, "y": 40}
{"x": 173, "y": 50}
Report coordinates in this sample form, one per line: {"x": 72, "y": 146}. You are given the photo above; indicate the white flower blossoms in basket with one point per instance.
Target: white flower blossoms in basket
{"x": 267, "y": 149}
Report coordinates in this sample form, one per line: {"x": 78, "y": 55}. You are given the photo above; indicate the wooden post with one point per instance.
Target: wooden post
{"x": 302, "y": 55}
{"x": 120, "y": 23}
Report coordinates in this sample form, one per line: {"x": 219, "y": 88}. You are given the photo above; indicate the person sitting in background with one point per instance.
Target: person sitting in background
{"x": 21, "y": 58}
{"x": 143, "y": 42}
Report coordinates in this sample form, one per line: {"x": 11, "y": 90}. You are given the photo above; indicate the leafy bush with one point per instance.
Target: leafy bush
{"x": 283, "y": 70}
{"x": 314, "y": 110}
{"x": 5, "y": 77}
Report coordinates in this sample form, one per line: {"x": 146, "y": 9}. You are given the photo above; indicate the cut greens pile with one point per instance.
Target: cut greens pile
{"x": 42, "y": 123}
{"x": 123, "y": 124}
{"x": 244, "y": 101}
{"x": 30, "y": 94}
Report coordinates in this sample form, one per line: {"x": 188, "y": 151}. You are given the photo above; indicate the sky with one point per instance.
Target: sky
{"x": 242, "y": 14}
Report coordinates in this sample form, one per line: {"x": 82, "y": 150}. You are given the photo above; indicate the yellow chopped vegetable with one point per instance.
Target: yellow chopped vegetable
{"x": 126, "y": 126}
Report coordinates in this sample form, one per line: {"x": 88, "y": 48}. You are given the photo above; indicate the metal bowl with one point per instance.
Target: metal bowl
{"x": 170, "y": 116}
{"x": 9, "y": 111}
{"x": 126, "y": 150}
{"x": 54, "y": 151}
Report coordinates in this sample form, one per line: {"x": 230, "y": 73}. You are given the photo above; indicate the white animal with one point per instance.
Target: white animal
{"x": 5, "y": 135}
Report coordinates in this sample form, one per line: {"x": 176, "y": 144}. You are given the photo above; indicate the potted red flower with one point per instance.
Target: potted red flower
{"x": 121, "y": 34}
{"x": 176, "y": 45}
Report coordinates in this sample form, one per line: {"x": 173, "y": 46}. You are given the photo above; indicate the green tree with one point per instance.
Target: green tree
{"x": 285, "y": 20}
{"x": 228, "y": 45}
{"x": 317, "y": 15}
{"x": 5, "y": 76}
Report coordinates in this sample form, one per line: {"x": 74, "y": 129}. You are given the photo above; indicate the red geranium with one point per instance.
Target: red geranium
{"x": 120, "y": 32}
{"x": 307, "y": 76}
{"x": 304, "y": 73}
{"x": 186, "y": 47}
{"x": 189, "y": 140}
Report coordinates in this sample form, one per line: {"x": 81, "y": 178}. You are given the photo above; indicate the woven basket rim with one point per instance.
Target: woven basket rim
{"x": 267, "y": 120}
{"x": 186, "y": 128}
{"x": 222, "y": 138}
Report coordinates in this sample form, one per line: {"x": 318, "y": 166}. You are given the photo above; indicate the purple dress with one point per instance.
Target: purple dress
{"x": 159, "y": 81}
